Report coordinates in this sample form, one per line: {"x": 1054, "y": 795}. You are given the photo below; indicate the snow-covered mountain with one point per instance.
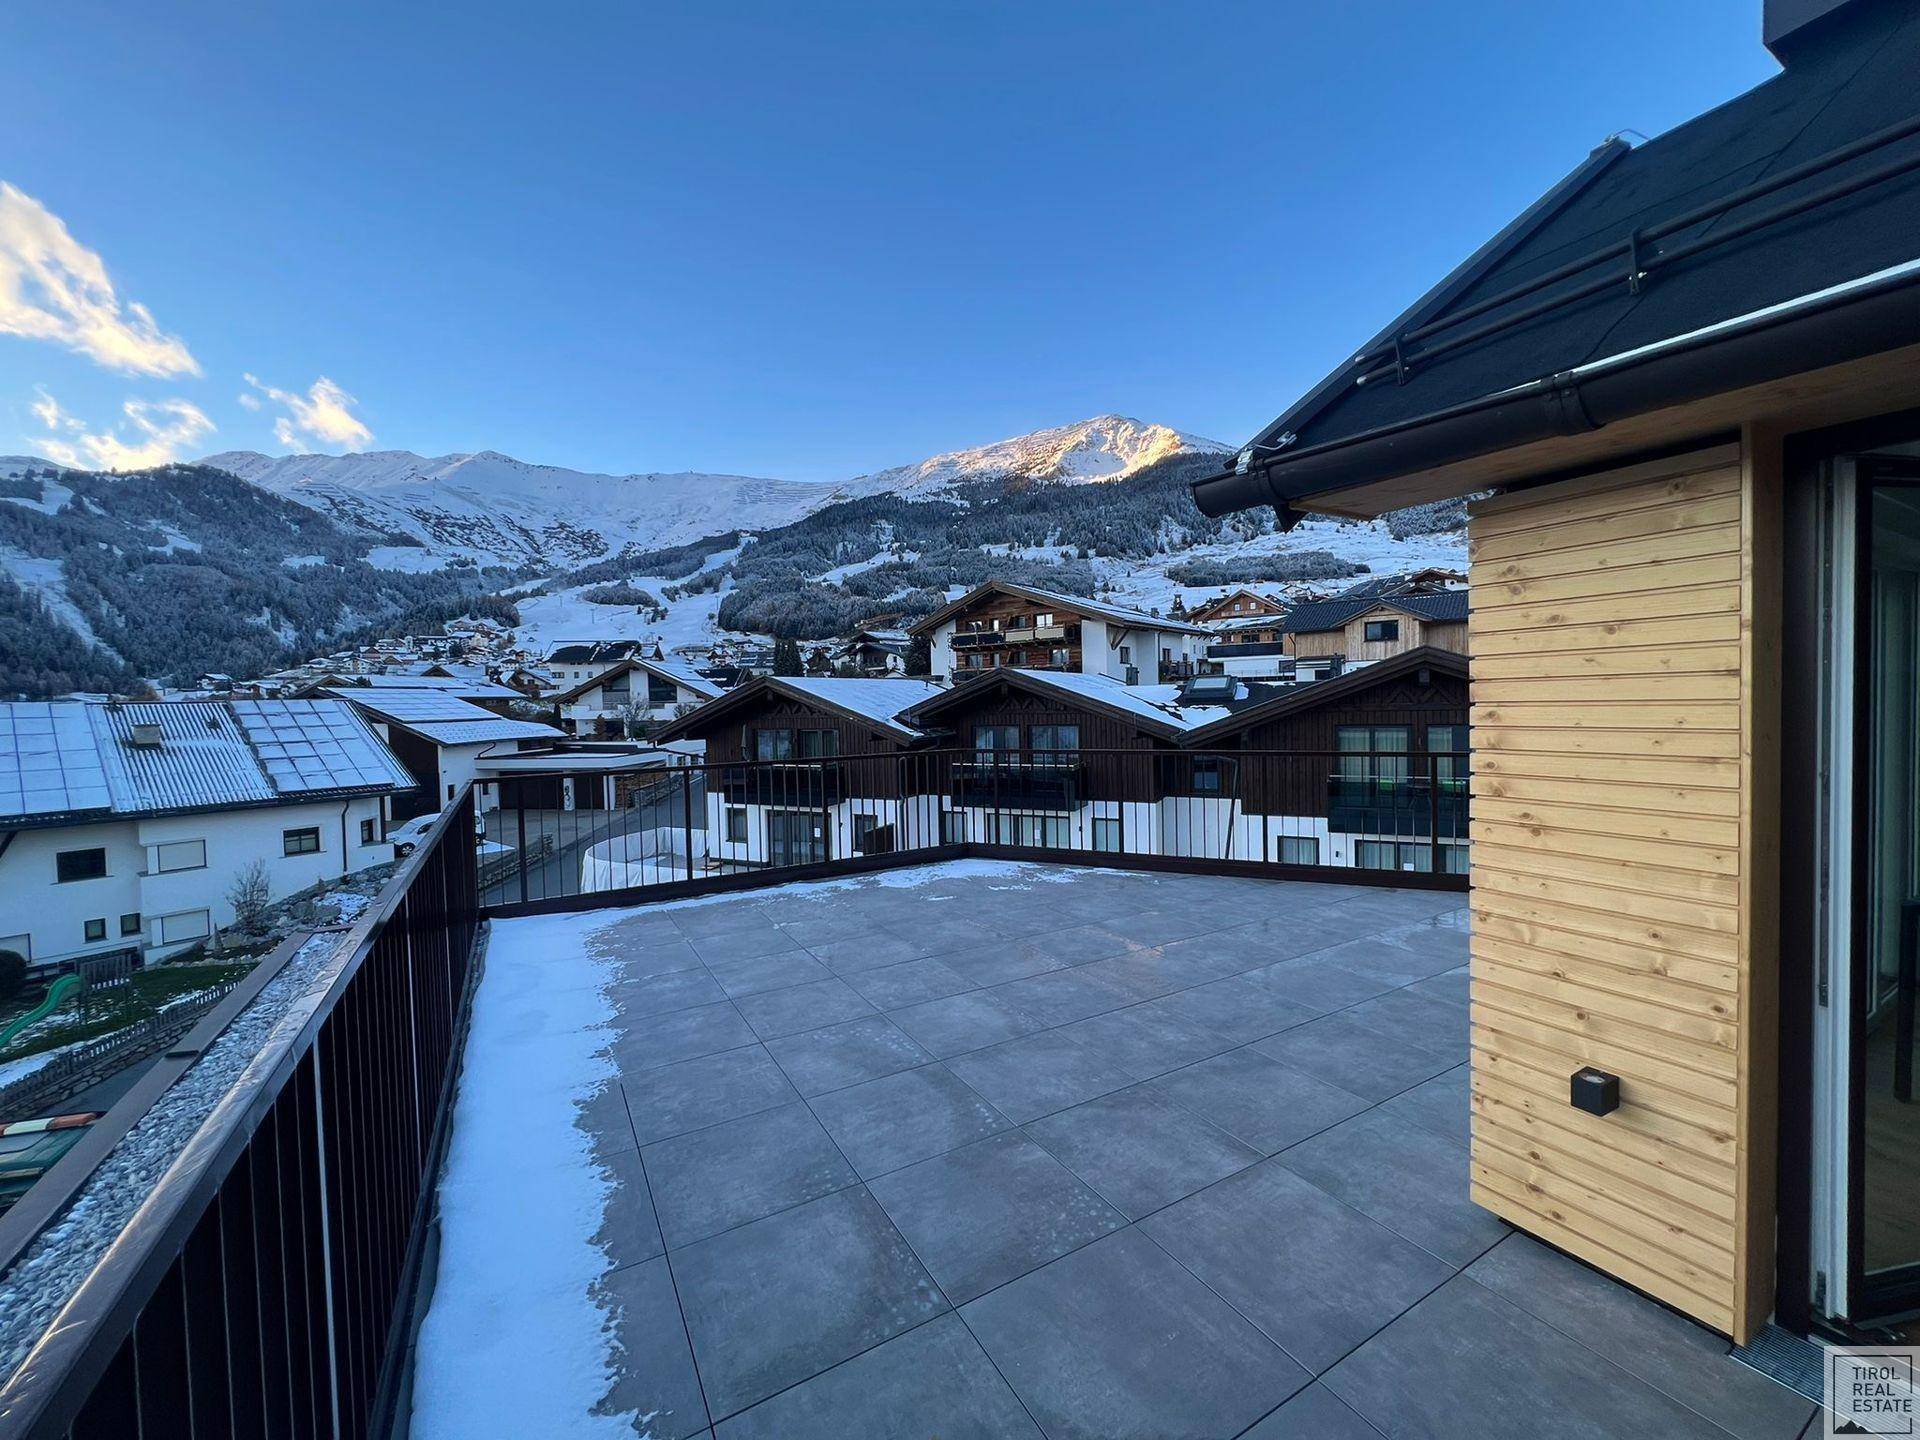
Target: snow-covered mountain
{"x": 1107, "y": 447}
{"x": 495, "y": 509}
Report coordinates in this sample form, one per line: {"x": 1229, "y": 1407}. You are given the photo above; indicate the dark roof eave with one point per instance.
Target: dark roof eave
{"x": 1315, "y": 693}
{"x": 1851, "y": 325}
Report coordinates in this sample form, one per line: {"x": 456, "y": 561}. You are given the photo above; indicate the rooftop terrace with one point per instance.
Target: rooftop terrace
{"x": 990, "y": 1150}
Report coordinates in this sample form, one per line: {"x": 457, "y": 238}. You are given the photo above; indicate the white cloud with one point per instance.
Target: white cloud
{"x": 53, "y": 288}
{"x": 248, "y": 400}
{"x": 323, "y": 416}
{"x": 154, "y": 432}
{"x": 48, "y": 412}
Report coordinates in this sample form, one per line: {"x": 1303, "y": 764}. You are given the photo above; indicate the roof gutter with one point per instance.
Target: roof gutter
{"x": 1830, "y": 327}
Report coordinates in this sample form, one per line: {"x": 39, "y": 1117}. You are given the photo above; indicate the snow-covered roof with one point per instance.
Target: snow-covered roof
{"x": 1159, "y": 703}
{"x": 65, "y": 761}
{"x": 880, "y": 701}
{"x": 680, "y": 674}
{"x": 442, "y": 684}
{"x": 1079, "y": 604}
{"x": 445, "y": 719}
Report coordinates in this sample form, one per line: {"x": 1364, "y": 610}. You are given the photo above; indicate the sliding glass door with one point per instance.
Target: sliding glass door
{"x": 1865, "y": 1219}
{"x": 1886, "y": 891}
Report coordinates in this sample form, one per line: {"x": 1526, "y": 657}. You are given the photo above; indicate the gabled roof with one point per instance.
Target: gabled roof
{"x": 878, "y": 703}
{"x": 63, "y": 762}
{"x": 444, "y": 719}
{"x": 462, "y": 686}
{"x": 1156, "y": 709}
{"x": 683, "y": 675}
{"x": 594, "y": 652}
{"x": 1225, "y": 596}
{"x": 1311, "y": 694}
{"x": 1080, "y": 605}
{"x": 1775, "y": 234}
{"x": 1311, "y": 616}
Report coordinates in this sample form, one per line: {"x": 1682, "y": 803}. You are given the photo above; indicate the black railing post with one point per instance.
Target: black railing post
{"x": 686, "y": 809}
{"x": 520, "y": 815}
{"x": 1433, "y": 813}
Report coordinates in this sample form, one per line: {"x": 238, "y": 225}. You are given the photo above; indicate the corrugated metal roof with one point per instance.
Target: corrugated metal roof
{"x": 70, "y": 760}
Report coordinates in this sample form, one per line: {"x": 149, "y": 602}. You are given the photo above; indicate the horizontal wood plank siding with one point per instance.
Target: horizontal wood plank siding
{"x": 1613, "y": 837}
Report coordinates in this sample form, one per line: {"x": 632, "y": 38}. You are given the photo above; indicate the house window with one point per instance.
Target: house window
{"x": 659, "y": 691}
{"x": 1058, "y": 659}
{"x": 1052, "y": 740}
{"x": 988, "y": 739}
{"x": 130, "y": 924}
{"x": 819, "y": 744}
{"x": 303, "y": 841}
{"x": 1106, "y": 836}
{"x": 71, "y": 865}
{"x": 450, "y": 790}
{"x": 1381, "y": 855}
{"x": 187, "y": 925}
{"x": 179, "y": 855}
{"x": 1035, "y": 831}
{"x": 1126, "y": 654}
{"x": 773, "y": 744}
{"x": 863, "y": 827}
{"x": 1383, "y": 630}
{"x": 1373, "y": 752}
{"x": 96, "y": 930}
{"x": 1297, "y": 849}
{"x": 736, "y": 824}
{"x": 369, "y": 831}
{"x": 1441, "y": 739}
{"x": 1206, "y": 775}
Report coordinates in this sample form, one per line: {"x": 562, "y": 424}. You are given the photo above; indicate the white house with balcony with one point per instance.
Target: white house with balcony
{"x": 1001, "y": 624}
{"x": 634, "y": 690}
{"x": 124, "y": 827}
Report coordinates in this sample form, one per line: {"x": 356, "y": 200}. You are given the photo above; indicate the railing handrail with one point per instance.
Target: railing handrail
{"x": 76, "y": 1348}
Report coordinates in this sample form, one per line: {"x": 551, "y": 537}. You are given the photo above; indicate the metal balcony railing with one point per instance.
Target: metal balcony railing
{"x": 1033, "y": 784}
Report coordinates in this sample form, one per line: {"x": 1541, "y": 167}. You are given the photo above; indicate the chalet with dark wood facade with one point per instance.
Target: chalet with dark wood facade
{"x": 1367, "y": 769}
{"x": 1236, "y": 605}
{"x": 771, "y": 801}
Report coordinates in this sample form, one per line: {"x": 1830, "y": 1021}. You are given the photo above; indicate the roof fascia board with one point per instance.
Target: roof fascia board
{"x": 1466, "y": 273}
{"x": 1034, "y": 685}
{"x": 1319, "y": 692}
{"x": 1855, "y": 322}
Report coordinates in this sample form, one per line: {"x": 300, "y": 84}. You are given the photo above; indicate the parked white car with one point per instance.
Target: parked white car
{"x": 406, "y": 837}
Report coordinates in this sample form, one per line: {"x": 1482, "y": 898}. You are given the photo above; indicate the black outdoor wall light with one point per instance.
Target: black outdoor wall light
{"x": 1595, "y": 1091}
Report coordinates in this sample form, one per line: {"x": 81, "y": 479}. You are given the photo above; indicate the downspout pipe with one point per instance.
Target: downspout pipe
{"x": 1852, "y": 324}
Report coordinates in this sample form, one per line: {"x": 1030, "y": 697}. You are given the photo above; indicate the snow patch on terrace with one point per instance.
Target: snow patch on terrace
{"x": 509, "y": 1342}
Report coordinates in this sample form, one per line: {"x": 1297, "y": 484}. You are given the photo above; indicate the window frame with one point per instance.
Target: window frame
{"x": 1060, "y": 739}
{"x": 136, "y": 928}
{"x": 1105, "y": 825}
{"x": 1282, "y": 842}
{"x": 784, "y": 739}
{"x": 60, "y": 858}
{"x": 1384, "y": 631}
{"x": 737, "y": 823}
{"x": 205, "y": 918}
{"x": 292, "y": 841}
{"x": 95, "y": 930}
{"x": 161, "y": 867}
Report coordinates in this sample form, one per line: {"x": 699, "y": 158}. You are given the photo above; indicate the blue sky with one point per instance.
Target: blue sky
{"x": 793, "y": 240}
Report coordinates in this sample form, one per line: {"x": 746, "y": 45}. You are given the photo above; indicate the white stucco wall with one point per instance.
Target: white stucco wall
{"x": 52, "y": 916}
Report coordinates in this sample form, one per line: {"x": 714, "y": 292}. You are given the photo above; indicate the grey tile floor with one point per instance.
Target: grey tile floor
{"x": 1090, "y": 1154}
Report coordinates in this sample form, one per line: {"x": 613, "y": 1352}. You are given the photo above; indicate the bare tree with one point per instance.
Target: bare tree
{"x": 250, "y": 894}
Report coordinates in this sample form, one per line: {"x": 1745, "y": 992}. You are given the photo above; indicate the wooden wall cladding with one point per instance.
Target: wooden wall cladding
{"x": 1617, "y": 829}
